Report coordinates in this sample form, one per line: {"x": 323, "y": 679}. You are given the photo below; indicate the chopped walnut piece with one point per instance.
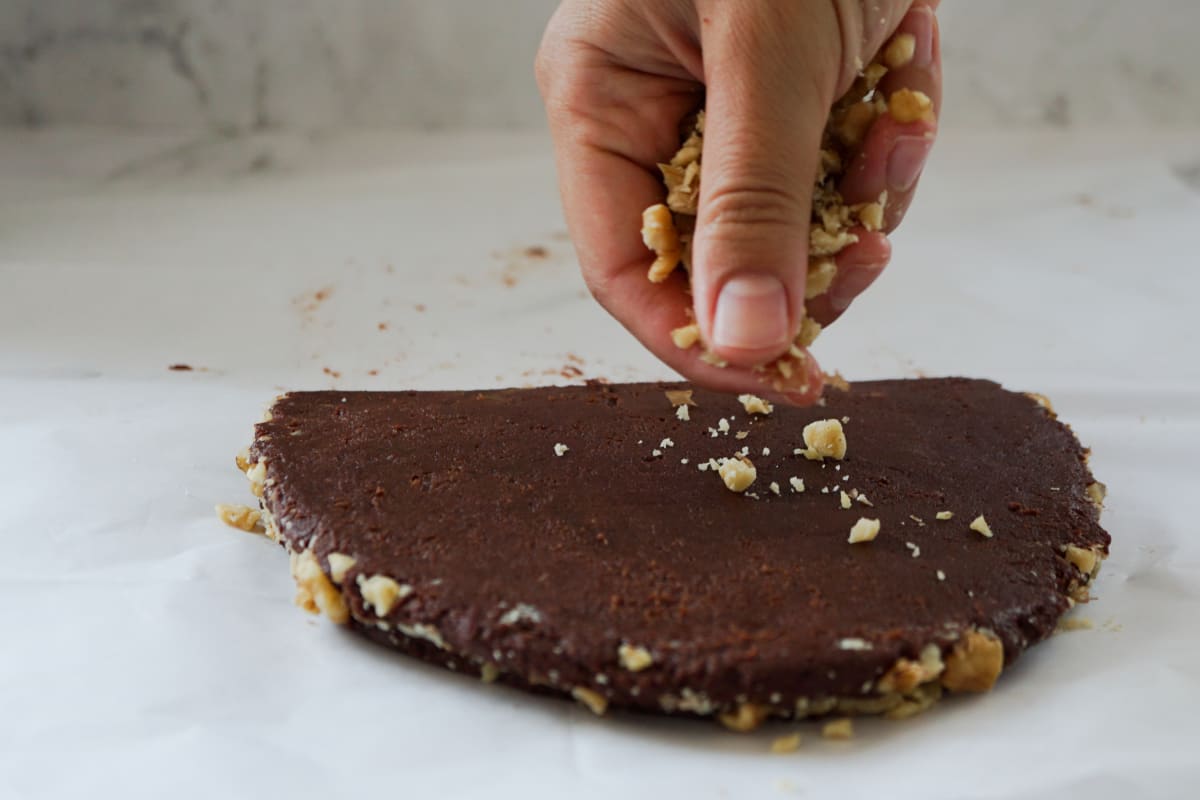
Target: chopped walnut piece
{"x": 810, "y": 329}
{"x": 634, "y": 658}
{"x": 974, "y": 663}
{"x": 1096, "y": 492}
{"x": 839, "y": 729}
{"x": 845, "y": 500}
{"x": 825, "y": 439}
{"x": 737, "y": 473}
{"x": 659, "y": 234}
{"x": 786, "y": 744}
{"x": 909, "y": 105}
{"x": 242, "y": 459}
{"x": 1041, "y": 400}
{"x": 774, "y": 487}
{"x": 314, "y": 592}
{"x": 339, "y": 565}
{"x": 489, "y": 672}
{"x": 680, "y": 397}
{"x": 1086, "y": 560}
{"x": 240, "y": 517}
{"x": 920, "y": 700}
{"x": 944, "y": 515}
{"x": 257, "y": 475}
{"x": 382, "y": 592}
{"x": 821, "y": 273}
{"x": 755, "y": 404}
{"x": 980, "y": 526}
{"x": 560, "y": 449}
{"x": 899, "y": 51}
{"x": 905, "y": 675}
{"x": 797, "y": 484}
{"x": 871, "y": 215}
{"x": 685, "y": 336}
{"x": 682, "y": 414}
{"x": 596, "y": 702}
{"x": 746, "y": 717}
{"x": 865, "y": 530}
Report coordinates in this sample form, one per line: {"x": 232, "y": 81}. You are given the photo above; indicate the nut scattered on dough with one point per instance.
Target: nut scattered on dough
{"x": 314, "y": 592}
{"x": 944, "y": 515}
{"x": 241, "y": 517}
{"x": 825, "y": 439}
{"x": 560, "y": 449}
{"x": 339, "y": 565}
{"x": 786, "y": 744}
{"x": 634, "y": 658}
{"x": 1084, "y": 559}
{"x": 682, "y": 414}
{"x": 746, "y": 717}
{"x": 839, "y": 729}
{"x": 845, "y": 500}
{"x": 980, "y": 526}
{"x": 755, "y": 404}
{"x": 596, "y": 702}
{"x": 680, "y": 397}
{"x": 382, "y": 593}
{"x": 797, "y": 484}
{"x": 974, "y": 663}
{"x": 899, "y": 50}
{"x": 910, "y": 105}
{"x": 865, "y": 530}
{"x": 738, "y": 473}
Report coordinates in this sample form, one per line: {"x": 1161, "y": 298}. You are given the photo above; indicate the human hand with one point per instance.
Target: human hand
{"x": 618, "y": 76}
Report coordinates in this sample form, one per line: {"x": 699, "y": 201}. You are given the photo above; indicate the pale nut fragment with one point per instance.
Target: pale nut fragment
{"x": 241, "y": 517}
{"x": 910, "y": 105}
{"x": 634, "y": 658}
{"x": 865, "y": 530}
{"x": 871, "y": 216}
{"x": 810, "y": 329}
{"x": 838, "y": 729}
{"x": 686, "y": 336}
{"x": 680, "y": 397}
{"x": 382, "y": 593}
{"x": 595, "y": 702}
{"x": 242, "y": 459}
{"x": 920, "y": 700}
{"x": 314, "y": 592}
{"x": 755, "y": 404}
{"x": 905, "y": 675}
{"x": 785, "y": 744}
{"x": 974, "y": 663}
{"x": 820, "y": 277}
{"x": 899, "y": 51}
{"x": 746, "y": 717}
{"x": 823, "y": 243}
{"x": 980, "y": 526}
{"x": 659, "y": 235}
{"x": 737, "y": 473}
{"x": 944, "y": 515}
{"x": 1084, "y": 559}
{"x": 1097, "y": 492}
{"x": 339, "y": 565}
{"x": 257, "y": 475}
{"x": 825, "y": 438}
{"x": 1042, "y": 401}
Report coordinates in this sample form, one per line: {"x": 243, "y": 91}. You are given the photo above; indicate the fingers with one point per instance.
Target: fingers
{"x": 893, "y": 154}
{"x": 766, "y": 108}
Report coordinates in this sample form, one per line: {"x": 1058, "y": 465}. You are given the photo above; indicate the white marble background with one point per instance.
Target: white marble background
{"x": 246, "y": 65}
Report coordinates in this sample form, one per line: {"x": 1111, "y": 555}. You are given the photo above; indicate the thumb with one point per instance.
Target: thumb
{"x": 768, "y": 98}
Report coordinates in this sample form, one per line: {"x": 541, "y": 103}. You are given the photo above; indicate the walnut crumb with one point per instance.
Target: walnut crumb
{"x": 786, "y": 744}
{"x": 755, "y": 404}
{"x": 737, "y": 473}
{"x": 685, "y": 336}
{"x": 825, "y": 439}
{"x": 1084, "y": 559}
{"x": 314, "y": 592}
{"x": 865, "y": 530}
{"x": 845, "y": 500}
{"x": 838, "y": 729}
{"x": 682, "y": 414}
{"x": 899, "y": 51}
{"x": 774, "y": 487}
{"x": 634, "y": 658}
{"x": 944, "y": 515}
{"x": 680, "y": 397}
{"x": 241, "y": 517}
{"x": 909, "y": 105}
{"x": 382, "y": 593}
{"x": 974, "y": 663}
{"x": 596, "y": 702}
{"x": 560, "y": 449}
{"x": 1096, "y": 492}
{"x": 980, "y": 526}
{"x": 659, "y": 235}
{"x": 746, "y": 717}
{"x": 797, "y": 484}
{"x": 339, "y": 565}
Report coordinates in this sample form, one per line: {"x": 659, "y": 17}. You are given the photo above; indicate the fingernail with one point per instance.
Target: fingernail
{"x": 906, "y": 161}
{"x": 920, "y": 25}
{"x": 752, "y": 313}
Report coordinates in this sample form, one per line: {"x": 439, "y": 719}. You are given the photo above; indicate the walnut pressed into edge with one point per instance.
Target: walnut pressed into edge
{"x": 974, "y": 663}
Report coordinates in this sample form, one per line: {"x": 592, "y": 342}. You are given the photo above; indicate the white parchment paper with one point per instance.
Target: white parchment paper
{"x": 149, "y": 651}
